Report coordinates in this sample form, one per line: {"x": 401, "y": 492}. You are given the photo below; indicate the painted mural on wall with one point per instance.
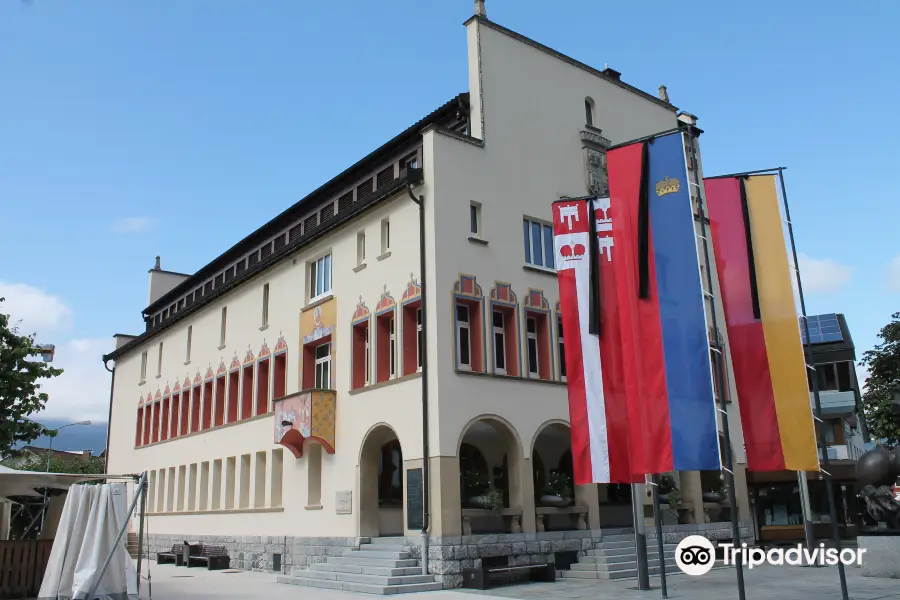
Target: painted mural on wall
{"x": 319, "y": 322}
{"x": 306, "y": 416}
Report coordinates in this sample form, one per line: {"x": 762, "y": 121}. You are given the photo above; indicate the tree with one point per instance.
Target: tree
{"x": 20, "y": 394}
{"x": 883, "y": 362}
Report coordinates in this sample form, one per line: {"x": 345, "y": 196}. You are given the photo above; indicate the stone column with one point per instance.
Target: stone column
{"x": 445, "y": 497}
{"x": 692, "y": 494}
{"x": 523, "y": 494}
{"x": 742, "y": 493}
{"x": 588, "y": 495}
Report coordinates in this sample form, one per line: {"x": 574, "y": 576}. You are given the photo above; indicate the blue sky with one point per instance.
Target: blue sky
{"x": 131, "y": 129}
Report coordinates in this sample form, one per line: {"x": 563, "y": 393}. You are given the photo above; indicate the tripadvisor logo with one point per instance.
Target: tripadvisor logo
{"x": 696, "y": 555}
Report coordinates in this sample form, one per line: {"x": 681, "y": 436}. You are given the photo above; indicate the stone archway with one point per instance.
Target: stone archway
{"x": 494, "y": 495}
{"x": 381, "y": 491}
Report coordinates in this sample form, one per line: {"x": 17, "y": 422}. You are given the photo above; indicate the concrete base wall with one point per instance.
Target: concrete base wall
{"x": 882, "y": 557}
{"x": 447, "y": 556}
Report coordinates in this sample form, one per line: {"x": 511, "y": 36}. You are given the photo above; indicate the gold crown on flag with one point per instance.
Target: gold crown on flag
{"x": 667, "y": 186}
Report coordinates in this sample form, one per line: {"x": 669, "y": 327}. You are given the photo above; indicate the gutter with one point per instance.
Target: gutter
{"x": 112, "y": 386}
{"x": 414, "y": 177}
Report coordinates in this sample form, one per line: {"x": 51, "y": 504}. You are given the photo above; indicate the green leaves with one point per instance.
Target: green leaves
{"x": 20, "y": 389}
{"x": 883, "y": 362}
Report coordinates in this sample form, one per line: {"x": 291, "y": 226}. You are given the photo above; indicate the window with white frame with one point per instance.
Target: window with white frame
{"x": 499, "y": 331}
{"x": 532, "y": 346}
{"x": 323, "y": 367}
{"x": 561, "y": 347}
{"x": 392, "y": 341}
{"x": 320, "y": 277}
{"x": 420, "y": 339}
{"x": 222, "y": 330}
{"x": 187, "y": 351}
{"x": 385, "y": 236}
{"x": 411, "y": 162}
{"x": 143, "y": 366}
{"x": 159, "y": 361}
{"x": 265, "y": 306}
{"x": 360, "y": 248}
{"x": 475, "y": 219}
{"x": 463, "y": 338}
{"x": 538, "y": 238}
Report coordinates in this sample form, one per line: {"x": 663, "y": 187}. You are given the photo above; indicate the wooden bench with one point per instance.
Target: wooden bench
{"x": 486, "y": 577}
{"x": 214, "y": 557}
{"x": 176, "y": 554}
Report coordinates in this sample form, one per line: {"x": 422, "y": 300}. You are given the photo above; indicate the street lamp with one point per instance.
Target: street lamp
{"x": 52, "y": 433}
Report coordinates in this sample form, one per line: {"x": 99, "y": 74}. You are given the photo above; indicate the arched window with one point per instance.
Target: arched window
{"x": 589, "y": 110}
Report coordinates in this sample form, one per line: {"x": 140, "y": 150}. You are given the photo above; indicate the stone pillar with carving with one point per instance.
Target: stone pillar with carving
{"x": 594, "y": 147}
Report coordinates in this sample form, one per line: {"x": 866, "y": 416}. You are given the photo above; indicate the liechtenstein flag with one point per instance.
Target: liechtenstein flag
{"x": 660, "y": 307}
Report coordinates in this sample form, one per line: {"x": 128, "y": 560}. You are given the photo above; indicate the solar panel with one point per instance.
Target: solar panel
{"x": 823, "y": 329}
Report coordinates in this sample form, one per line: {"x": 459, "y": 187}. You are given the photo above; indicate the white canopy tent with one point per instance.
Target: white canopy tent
{"x": 24, "y": 483}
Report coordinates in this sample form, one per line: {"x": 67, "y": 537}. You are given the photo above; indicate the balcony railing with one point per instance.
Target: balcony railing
{"x": 835, "y": 403}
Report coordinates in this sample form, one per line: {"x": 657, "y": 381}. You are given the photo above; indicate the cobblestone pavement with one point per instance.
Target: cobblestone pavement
{"x": 782, "y": 583}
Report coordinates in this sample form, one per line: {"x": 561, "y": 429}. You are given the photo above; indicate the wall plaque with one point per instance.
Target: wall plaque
{"x": 415, "y": 518}
{"x": 343, "y": 504}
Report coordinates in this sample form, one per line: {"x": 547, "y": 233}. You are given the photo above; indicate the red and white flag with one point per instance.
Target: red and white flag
{"x": 598, "y": 410}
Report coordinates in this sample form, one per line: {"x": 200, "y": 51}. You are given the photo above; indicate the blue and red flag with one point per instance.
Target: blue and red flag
{"x": 661, "y": 314}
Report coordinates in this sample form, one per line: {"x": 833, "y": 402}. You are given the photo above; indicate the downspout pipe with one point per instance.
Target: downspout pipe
{"x": 414, "y": 178}
{"x": 112, "y": 386}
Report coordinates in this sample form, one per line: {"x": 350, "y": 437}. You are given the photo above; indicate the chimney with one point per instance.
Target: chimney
{"x": 157, "y": 266}
{"x": 612, "y": 73}
{"x": 480, "y": 10}
{"x": 686, "y": 117}
{"x": 663, "y": 94}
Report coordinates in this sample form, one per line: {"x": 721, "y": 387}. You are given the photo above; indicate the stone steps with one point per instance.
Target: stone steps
{"x": 615, "y": 557}
{"x": 630, "y": 573}
{"x": 380, "y": 566}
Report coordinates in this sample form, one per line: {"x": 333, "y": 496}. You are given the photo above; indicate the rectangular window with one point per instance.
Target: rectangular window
{"x": 164, "y": 421}
{"x": 385, "y": 236}
{"x": 219, "y": 408}
{"x": 320, "y": 277}
{"x": 259, "y": 480}
{"x": 155, "y": 423}
{"x": 195, "y": 409}
{"x": 207, "y": 404}
{"x": 279, "y": 383}
{"x": 247, "y": 393}
{"x": 139, "y": 428}
{"x": 475, "y": 218}
{"x": 420, "y": 340}
{"x": 361, "y": 356}
{"x": 323, "y": 367}
{"x": 265, "y": 306}
{"x": 561, "y": 350}
{"x": 143, "y": 366}
{"x": 463, "y": 339}
{"x": 360, "y": 248}
{"x": 538, "y": 239}
{"x": 185, "y": 411}
{"x": 275, "y": 485}
{"x": 187, "y": 352}
{"x": 392, "y": 340}
{"x": 234, "y": 389}
{"x": 532, "y": 341}
{"x": 176, "y": 415}
{"x": 499, "y": 333}
{"x": 159, "y": 361}
{"x": 224, "y": 325}
{"x": 262, "y": 387}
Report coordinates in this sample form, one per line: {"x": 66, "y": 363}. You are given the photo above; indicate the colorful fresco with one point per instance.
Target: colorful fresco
{"x": 308, "y": 415}
{"x": 319, "y": 322}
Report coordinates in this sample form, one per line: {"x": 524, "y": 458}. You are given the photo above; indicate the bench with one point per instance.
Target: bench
{"x": 214, "y": 557}
{"x": 486, "y": 577}
{"x": 176, "y": 554}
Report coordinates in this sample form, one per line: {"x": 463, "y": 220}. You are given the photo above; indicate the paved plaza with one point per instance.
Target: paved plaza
{"x": 782, "y": 583}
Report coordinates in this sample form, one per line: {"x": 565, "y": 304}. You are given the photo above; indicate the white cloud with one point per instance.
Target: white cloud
{"x": 82, "y": 391}
{"x": 37, "y": 310}
{"x": 132, "y": 225}
{"x": 893, "y": 275}
{"x": 823, "y": 275}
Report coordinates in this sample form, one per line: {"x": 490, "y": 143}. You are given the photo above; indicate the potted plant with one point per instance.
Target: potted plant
{"x": 558, "y": 491}
{"x": 476, "y": 488}
{"x": 493, "y": 500}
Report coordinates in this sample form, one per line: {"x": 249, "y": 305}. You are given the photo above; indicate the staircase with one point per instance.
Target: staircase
{"x": 616, "y": 558}
{"x": 132, "y": 544}
{"x": 378, "y": 567}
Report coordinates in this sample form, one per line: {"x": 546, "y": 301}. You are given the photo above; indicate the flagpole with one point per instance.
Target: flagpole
{"x": 820, "y": 438}
{"x": 654, "y": 482}
{"x": 640, "y": 536}
{"x": 720, "y": 362}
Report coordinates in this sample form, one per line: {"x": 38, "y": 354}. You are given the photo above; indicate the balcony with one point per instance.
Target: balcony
{"x": 835, "y": 404}
{"x": 306, "y": 415}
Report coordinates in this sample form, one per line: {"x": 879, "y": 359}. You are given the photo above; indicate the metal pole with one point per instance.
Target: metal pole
{"x": 719, "y": 350}
{"x": 659, "y": 536}
{"x": 829, "y": 488}
{"x": 143, "y": 493}
{"x": 46, "y": 499}
{"x": 96, "y": 583}
{"x": 745, "y": 173}
{"x": 640, "y": 536}
{"x": 808, "y": 530}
